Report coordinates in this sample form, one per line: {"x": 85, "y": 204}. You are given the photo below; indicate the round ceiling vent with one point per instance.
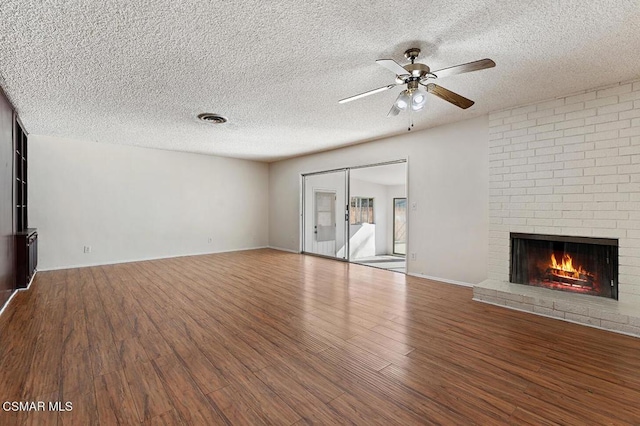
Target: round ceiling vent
{"x": 212, "y": 118}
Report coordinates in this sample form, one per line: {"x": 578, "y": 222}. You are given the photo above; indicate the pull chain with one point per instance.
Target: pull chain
{"x": 410, "y": 119}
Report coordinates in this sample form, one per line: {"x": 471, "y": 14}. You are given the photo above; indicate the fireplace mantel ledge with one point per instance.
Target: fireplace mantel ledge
{"x": 593, "y": 311}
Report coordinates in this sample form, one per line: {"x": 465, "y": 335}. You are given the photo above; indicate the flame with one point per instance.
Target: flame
{"x": 566, "y": 266}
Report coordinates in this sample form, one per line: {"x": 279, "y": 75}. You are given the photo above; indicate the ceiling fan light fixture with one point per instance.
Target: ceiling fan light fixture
{"x": 403, "y": 100}
{"x": 418, "y": 100}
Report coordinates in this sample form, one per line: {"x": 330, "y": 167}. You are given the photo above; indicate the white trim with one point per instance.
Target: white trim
{"x": 362, "y": 166}
{"x": 556, "y": 318}
{"x": 16, "y": 292}
{"x": 407, "y": 247}
{"x": 283, "y": 249}
{"x": 29, "y": 285}
{"x": 301, "y": 214}
{"x": 444, "y": 280}
{"x": 8, "y": 301}
{"x": 347, "y": 217}
{"x": 143, "y": 259}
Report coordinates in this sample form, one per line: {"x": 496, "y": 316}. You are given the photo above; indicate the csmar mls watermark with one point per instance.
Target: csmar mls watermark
{"x": 58, "y": 406}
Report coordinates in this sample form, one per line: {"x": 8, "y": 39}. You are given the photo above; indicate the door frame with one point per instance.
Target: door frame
{"x": 303, "y": 201}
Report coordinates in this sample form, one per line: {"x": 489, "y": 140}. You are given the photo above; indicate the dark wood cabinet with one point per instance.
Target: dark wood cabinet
{"x": 27, "y": 253}
{"x": 26, "y": 239}
{"x": 18, "y": 243}
{"x": 7, "y": 209}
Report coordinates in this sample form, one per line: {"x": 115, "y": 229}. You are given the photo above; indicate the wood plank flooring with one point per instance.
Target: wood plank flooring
{"x": 268, "y": 337}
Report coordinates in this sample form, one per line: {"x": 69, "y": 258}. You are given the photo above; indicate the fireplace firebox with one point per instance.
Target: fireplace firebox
{"x": 576, "y": 264}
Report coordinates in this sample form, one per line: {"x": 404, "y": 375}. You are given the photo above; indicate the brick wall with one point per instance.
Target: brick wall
{"x": 569, "y": 166}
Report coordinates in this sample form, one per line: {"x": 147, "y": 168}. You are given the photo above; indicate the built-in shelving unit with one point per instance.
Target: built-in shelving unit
{"x": 26, "y": 238}
{"x": 20, "y": 196}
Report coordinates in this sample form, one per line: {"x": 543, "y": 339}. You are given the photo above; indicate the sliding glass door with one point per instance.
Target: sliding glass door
{"x": 325, "y": 214}
{"x": 358, "y": 214}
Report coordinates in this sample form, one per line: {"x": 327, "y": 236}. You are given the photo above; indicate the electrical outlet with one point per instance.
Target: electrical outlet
{"x": 414, "y": 206}
{"x": 210, "y": 240}
{"x": 87, "y": 249}
{"x": 413, "y": 256}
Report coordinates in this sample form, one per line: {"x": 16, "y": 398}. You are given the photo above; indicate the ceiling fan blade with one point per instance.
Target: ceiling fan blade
{"x": 449, "y": 96}
{"x": 392, "y": 66}
{"x": 370, "y": 92}
{"x": 468, "y": 67}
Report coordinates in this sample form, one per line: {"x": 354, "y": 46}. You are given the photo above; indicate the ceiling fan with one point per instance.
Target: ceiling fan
{"x": 414, "y": 98}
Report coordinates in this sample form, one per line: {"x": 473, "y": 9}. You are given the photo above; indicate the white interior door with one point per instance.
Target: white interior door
{"x": 324, "y": 214}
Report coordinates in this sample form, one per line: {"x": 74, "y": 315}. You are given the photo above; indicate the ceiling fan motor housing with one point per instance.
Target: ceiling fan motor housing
{"x": 414, "y": 72}
{"x": 417, "y": 70}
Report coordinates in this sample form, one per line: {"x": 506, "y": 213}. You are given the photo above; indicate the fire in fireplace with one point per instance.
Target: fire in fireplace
{"x": 566, "y": 273}
{"x": 576, "y": 264}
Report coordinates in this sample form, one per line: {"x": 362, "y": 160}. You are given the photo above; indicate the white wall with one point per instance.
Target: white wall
{"x": 569, "y": 166}
{"x": 131, "y": 203}
{"x": 448, "y": 179}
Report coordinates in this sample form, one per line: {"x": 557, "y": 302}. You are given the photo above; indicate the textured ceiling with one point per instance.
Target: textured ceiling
{"x": 138, "y": 72}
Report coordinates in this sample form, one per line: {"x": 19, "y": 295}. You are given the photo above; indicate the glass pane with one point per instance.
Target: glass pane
{"x": 579, "y": 267}
{"x": 325, "y": 218}
{"x": 400, "y": 226}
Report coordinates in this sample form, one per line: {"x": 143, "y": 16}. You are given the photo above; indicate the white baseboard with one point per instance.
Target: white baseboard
{"x": 29, "y": 285}
{"x": 283, "y": 249}
{"x": 444, "y": 280}
{"x": 142, "y": 259}
{"x": 8, "y": 301}
{"x": 16, "y": 292}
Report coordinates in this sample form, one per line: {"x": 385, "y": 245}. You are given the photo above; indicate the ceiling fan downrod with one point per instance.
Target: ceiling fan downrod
{"x": 412, "y": 54}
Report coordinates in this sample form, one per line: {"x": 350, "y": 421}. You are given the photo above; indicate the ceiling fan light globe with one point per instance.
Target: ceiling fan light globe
{"x": 418, "y": 101}
{"x": 403, "y": 101}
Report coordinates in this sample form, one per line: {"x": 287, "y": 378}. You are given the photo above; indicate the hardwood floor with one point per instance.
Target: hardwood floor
{"x": 268, "y": 337}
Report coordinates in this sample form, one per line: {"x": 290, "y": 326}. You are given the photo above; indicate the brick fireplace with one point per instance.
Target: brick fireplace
{"x": 568, "y": 167}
